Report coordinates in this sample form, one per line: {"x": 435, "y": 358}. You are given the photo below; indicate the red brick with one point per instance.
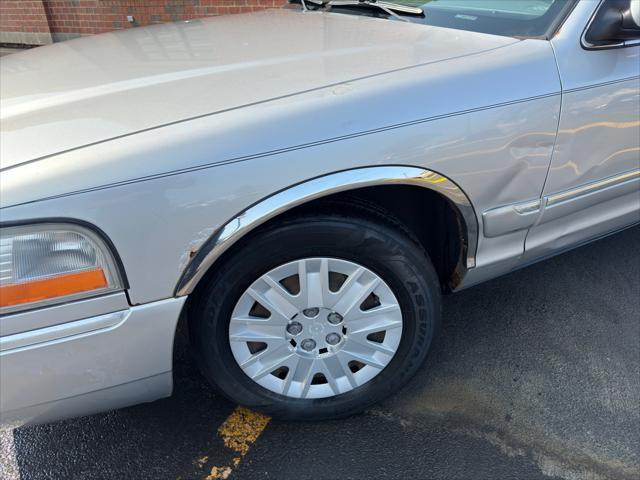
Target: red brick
{"x": 93, "y": 16}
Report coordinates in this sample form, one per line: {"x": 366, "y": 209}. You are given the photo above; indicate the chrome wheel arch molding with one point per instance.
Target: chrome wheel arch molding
{"x": 270, "y": 207}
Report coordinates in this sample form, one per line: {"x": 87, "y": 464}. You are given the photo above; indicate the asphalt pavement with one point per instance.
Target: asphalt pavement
{"x": 535, "y": 375}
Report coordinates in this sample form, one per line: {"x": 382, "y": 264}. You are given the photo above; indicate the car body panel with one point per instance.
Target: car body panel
{"x": 368, "y": 106}
{"x": 89, "y": 365}
{"x": 145, "y": 77}
{"x": 221, "y": 139}
{"x": 34, "y": 320}
{"x": 596, "y": 160}
{"x": 186, "y": 196}
{"x": 493, "y": 138}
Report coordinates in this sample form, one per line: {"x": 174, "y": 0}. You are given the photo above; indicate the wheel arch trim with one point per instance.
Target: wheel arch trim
{"x": 272, "y": 206}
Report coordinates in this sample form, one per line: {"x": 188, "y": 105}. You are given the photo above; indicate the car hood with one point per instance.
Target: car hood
{"x": 77, "y": 93}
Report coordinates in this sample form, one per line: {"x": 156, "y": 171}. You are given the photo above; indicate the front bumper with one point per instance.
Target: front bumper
{"x": 90, "y": 365}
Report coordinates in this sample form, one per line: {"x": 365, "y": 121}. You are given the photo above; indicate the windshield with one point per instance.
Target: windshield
{"x": 513, "y": 18}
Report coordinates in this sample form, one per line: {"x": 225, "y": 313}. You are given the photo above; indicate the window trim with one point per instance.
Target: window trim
{"x": 557, "y": 25}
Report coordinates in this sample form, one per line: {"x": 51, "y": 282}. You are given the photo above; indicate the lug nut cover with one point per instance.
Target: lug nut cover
{"x": 294, "y": 328}
{"x": 334, "y": 318}
{"x": 311, "y": 312}
{"x": 333, "y": 339}
{"x": 308, "y": 344}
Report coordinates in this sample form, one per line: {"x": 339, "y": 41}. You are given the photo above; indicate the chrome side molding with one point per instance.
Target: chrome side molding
{"x": 302, "y": 193}
{"x": 520, "y": 216}
{"x": 565, "y": 203}
{"x": 589, "y": 188}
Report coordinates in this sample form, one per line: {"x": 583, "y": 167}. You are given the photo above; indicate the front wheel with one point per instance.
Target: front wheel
{"x": 317, "y": 317}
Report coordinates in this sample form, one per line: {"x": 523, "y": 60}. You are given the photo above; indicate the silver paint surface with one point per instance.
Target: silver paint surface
{"x": 68, "y": 312}
{"x": 598, "y": 140}
{"x": 165, "y": 136}
{"x": 47, "y": 380}
{"x": 494, "y": 139}
{"x": 115, "y": 84}
{"x": 63, "y": 330}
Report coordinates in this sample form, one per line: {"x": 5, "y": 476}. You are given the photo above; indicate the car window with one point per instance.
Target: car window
{"x": 517, "y": 18}
{"x": 518, "y": 9}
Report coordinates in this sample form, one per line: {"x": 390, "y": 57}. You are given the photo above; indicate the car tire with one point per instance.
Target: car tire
{"x": 367, "y": 241}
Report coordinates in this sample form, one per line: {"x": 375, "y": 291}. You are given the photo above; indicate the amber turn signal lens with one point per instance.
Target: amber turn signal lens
{"x": 52, "y": 287}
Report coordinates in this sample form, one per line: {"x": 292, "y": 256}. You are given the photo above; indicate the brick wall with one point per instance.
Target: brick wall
{"x": 24, "y": 22}
{"x": 44, "y": 21}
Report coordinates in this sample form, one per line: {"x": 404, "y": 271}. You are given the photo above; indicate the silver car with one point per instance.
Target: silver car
{"x": 296, "y": 189}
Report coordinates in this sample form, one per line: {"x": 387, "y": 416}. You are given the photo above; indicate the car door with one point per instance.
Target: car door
{"x": 592, "y": 187}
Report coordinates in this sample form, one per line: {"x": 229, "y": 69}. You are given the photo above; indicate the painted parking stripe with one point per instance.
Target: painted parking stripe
{"x": 238, "y": 432}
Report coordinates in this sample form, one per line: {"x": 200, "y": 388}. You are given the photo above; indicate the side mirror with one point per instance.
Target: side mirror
{"x": 632, "y": 16}
{"x": 614, "y": 24}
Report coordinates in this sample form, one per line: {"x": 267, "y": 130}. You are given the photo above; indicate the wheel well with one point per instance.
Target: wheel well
{"x": 428, "y": 217}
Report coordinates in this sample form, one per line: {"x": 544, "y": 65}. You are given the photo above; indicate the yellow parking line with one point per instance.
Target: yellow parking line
{"x": 238, "y": 432}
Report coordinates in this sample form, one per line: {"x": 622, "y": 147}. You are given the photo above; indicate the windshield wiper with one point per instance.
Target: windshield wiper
{"x": 390, "y": 8}
{"x": 387, "y": 7}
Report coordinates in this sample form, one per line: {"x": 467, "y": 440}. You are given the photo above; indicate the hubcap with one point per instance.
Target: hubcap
{"x": 315, "y": 328}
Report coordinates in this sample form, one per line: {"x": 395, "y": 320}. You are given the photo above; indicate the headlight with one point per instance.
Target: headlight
{"x": 53, "y": 263}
